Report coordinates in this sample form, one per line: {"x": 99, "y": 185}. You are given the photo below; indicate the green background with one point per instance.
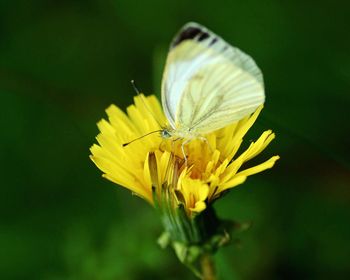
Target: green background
{"x": 63, "y": 62}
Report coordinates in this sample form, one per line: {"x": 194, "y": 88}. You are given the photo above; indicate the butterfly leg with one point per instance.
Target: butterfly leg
{"x": 183, "y": 152}
{"x": 183, "y": 149}
{"x": 207, "y": 142}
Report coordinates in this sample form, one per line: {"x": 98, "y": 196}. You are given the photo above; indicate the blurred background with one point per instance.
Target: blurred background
{"x": 63, "y": 62}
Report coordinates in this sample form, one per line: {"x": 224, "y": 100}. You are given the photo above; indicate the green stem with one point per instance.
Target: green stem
{"x": 208, "y": 267}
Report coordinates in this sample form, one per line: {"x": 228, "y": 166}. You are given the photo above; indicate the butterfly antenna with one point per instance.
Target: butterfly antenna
{"x": 133, "y": 83}
{"x": 138, "y": 138}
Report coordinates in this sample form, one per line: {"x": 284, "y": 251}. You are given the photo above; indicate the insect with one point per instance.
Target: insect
{"x": 207, "y": 84}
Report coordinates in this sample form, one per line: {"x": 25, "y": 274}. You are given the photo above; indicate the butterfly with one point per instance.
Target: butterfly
{"x": 207, "y": 84}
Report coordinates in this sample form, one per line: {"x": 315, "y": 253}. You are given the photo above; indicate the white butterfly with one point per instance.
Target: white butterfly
{"x": 207, "y": 84}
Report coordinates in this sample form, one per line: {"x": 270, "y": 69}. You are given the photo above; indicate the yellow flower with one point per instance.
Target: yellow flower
{"x": 212, "y": 166}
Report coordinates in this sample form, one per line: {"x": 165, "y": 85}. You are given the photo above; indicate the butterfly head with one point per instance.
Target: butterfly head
{"x": 178, "y": 133}
{"x": 166, "y": 133}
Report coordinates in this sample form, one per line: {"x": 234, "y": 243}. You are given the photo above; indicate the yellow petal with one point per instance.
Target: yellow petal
{"x": 259, "y": 168}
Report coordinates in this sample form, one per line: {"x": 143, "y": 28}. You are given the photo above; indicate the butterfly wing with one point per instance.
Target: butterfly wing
{"x": 208, "y": 84}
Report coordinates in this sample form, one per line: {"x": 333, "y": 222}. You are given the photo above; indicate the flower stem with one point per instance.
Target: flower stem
{"x": 208, "y": 267}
